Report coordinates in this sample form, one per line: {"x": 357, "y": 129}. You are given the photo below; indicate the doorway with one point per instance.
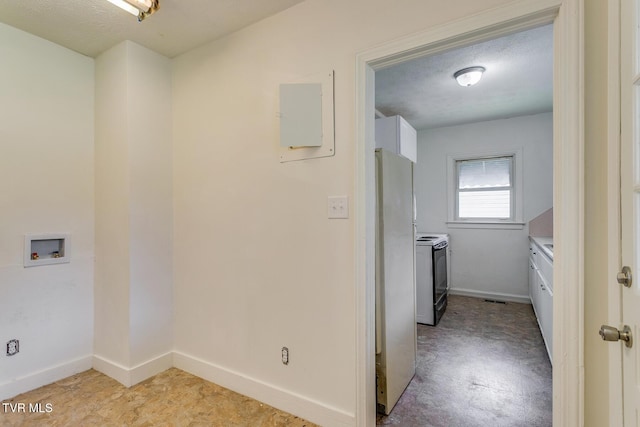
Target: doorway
{"x": 499, "y": 120}
{"x": 568, "y": 186}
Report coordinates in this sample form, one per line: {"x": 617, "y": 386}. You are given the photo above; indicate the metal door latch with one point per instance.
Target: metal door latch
{"x": 609, "y": 333}
{"x": 624, "y": 277}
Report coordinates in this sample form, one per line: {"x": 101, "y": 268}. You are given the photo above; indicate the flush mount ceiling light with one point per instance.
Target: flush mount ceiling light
{"x": 469, "y": 76}
{"x": 139, "y": 8}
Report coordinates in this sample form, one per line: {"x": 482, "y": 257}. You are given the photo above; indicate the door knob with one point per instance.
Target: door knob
{"x": 609, "y": 333}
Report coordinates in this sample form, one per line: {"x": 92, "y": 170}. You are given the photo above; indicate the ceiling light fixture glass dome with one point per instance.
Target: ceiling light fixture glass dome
{"x": 469, "y": 76}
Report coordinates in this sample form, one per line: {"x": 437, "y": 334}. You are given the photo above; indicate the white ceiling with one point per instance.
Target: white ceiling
{"x": 92, "y": 26}
{"x": 518, "y": 81}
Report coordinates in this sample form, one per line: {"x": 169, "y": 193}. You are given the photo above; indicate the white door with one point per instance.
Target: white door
{"x": 630, "y": 203}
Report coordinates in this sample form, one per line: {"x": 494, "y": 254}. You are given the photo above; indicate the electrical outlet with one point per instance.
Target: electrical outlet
{"x": 13, "y": 347}
{"x": 285, "y": 356}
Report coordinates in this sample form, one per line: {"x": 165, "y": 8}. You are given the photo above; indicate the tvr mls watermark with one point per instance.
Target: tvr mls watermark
{"x": 21, "y": 407}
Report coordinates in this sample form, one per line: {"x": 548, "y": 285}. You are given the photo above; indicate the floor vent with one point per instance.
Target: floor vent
{"x": 495, "y": 301}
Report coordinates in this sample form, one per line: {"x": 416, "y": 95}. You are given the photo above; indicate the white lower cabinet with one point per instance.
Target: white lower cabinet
{"x": 541, "y": 293}
{"x": 533, "y": 285}
{"x": 545, "y": 318}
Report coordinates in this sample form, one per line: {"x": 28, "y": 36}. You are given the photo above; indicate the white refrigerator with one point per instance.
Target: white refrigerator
{"x": 395, "y": 278}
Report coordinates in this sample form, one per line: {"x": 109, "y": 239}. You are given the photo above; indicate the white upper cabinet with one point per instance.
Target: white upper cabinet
{"x": 396, "y": 135}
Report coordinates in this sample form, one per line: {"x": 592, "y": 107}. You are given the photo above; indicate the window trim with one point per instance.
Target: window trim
{"x": 516, "y": 221}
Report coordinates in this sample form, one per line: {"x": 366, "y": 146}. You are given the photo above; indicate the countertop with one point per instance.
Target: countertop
{"x": 541, "y": 242}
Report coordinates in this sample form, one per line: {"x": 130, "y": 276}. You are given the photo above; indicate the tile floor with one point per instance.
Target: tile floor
{"x": 171, "y": 398}
{"x": 485, "y": 364}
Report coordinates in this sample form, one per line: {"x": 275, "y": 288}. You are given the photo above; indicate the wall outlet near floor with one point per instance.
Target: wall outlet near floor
{"x": 285, "y": 356}
{"x": 13, "y": 347}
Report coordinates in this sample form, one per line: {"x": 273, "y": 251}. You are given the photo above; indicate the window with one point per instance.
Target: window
{"x": 485, "y": 191}
{"x": 484, "y": 188}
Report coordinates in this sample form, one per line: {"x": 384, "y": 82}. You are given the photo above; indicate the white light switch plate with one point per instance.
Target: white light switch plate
{"x": 338, "y": 207}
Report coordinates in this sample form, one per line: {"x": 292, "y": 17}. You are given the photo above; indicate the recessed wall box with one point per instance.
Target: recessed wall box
{"x": 44, "y": 249}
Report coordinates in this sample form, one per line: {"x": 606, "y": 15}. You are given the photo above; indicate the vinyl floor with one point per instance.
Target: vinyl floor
{"x": 484, "y": 364}
{"x": 171, "y": 398}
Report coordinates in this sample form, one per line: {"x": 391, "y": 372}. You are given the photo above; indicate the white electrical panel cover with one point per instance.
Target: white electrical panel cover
{"x": 307, "y": 118}
{"x": 301, "y": 115}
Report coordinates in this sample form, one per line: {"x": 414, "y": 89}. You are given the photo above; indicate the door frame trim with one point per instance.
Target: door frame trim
{"x": 568, "y": 131}
{"x": 614, "y": 224}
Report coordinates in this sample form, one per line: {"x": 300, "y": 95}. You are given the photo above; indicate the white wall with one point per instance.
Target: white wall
{"x": 134, "y": 219}
{"x": 112, "y": 269}
{"x": 46, "y": 185}
{"x": 258, "y": 265}
{"x": 151, "y": 211}
{"x": 486, "y": 262}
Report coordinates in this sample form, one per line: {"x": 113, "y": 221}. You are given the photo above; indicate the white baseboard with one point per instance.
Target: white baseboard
{"x": 46, "y": 376}
{"x": 151, "y": 367}
{"x": 293, "y": 403}
{"x": 132, "y": 376}
{"x": 112, "y": 369}
{"x": 496, "y": 296}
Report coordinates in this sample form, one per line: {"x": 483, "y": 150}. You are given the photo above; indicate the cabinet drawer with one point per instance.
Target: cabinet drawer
{"x": 546, "y": 269}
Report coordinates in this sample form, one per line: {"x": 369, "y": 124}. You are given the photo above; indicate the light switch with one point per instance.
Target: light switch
{"x": 338, "y": 207}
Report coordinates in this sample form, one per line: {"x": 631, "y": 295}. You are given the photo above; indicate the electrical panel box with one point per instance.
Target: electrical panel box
{"x": 44, "y": 249}
{"x": 301, "y": 115}
{"x": 307, "y": 118}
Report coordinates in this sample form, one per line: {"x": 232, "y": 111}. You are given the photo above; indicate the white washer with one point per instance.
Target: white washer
{"x": 431, "y": 277}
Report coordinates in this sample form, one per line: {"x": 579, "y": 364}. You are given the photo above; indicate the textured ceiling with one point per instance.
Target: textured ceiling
{"x": 92, "y": 26}
{"x": 518, "y": 81}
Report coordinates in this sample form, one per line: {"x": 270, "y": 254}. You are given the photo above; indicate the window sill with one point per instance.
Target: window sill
{"x": 487, "y": 225}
